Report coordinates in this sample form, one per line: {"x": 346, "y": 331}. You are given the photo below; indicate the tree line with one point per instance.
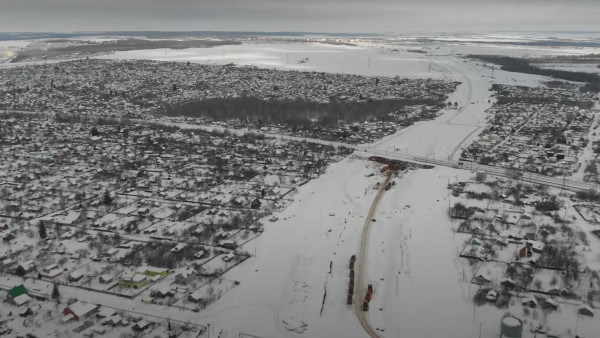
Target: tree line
{"x": 299, "y": 113}
{"x": 511, "y": 64}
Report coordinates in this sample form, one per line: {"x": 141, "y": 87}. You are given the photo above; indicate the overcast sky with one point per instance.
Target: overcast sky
{"x": 377, "y": 16}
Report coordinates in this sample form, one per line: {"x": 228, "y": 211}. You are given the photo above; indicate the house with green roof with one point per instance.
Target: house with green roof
{"x": 18, "y": 296}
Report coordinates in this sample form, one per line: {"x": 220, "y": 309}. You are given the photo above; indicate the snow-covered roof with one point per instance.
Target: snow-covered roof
{"x": 81, "y": 309}
{"x": 21, "y": 299}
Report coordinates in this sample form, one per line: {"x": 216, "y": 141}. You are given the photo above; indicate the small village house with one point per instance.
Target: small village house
{"x": 80, "y": 310}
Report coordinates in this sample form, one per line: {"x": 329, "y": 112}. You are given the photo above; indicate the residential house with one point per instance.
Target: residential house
{"x": 135, "y": 281}
{"x": 18, "y": 296}
{"x": 255, "y": 204}
{"x": 483, "y": 278}
{"x": 186, "y": 276}
{"x": 586, "y": 311}
{"x": 51, "y": 271}
{"x": 26, "y": 267}
{"x": 106, "y": 279}
{"x": 75, "y": 276}
{"x": 228, "y": 245}
{"x": 152, "y": 271}
{"x": 529, "y": 302}
{"x": 228, "y": 257}
{"x": 141, "y": 325}
{"x": 80, "y": 310}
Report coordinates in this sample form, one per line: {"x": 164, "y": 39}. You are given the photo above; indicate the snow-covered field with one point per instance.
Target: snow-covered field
{"x": 360, "y": 60}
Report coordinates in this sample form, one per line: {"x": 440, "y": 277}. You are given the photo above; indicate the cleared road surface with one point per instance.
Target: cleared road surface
{"x": 359, "y": 291}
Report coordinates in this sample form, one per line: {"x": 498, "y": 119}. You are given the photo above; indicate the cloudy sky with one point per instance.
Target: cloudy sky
{"x": 377, "y": 16}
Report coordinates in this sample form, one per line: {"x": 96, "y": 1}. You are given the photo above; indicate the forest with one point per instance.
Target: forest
{"x": 295, "y": 113}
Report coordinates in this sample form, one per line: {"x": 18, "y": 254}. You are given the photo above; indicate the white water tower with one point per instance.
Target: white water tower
{"x": 511, "y": 327}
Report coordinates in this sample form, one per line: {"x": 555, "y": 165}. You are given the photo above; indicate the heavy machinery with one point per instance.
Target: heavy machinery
{"x": 368, "y": 297}
{"x": 369, "y": 292}
{"x": 351, "y": 284}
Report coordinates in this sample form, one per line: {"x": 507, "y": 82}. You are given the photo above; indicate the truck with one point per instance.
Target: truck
{"x": 369, "y": 293}
{"x": 365, "y": 305}
{"x": 349, "y": 299}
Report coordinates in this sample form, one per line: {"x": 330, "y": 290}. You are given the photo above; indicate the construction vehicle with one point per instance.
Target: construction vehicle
{"x": 369, "y": 293}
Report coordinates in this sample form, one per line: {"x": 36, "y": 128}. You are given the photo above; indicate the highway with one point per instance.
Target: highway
{"x": 359, "y": 291}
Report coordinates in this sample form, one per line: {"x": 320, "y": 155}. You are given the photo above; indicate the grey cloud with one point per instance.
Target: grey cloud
{"x": 299, "y": 15}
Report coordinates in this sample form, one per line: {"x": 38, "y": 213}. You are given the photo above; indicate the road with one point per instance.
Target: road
{"x": 359, "y": 291}
{"x": 556, "y": 182}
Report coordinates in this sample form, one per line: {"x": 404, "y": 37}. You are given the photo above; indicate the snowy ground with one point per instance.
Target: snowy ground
{"x": 413, "y": 259}
{"x": 375, "y": 61}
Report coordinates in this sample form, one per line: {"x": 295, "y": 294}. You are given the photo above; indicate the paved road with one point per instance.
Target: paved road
{"x": 359, "y": 291}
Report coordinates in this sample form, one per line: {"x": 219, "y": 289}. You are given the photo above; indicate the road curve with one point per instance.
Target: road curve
{"x": 359, "y": 290}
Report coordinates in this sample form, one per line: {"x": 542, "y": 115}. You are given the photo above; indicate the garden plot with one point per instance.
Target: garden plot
{"x": 165, "y": 212}
{"x": 5, "y": 189}
{"x": 590, "y": 213}
{"x": 121, "y": 223}
{"x": 547, "y": 281}
{"x": 131, "y": 192}
{"x": 520, "y": 274}
{"x": 489, "y": 273}
{"x": 208, "y": 292}
{"x": 186, "y": 212}
{"x": 166, "y": 255}
{"x": 478, "y": 248}
{"x": 478, "y": 190}
{"x": 474, "y": 226}
{"x": 506, "y": 252}
{"x": 241, "y": 236}
{"x": 177, "y": 228}
{"x": 107, "y": 219}
{"x": 220, "y": 263}
{"x": 89, "y": 270}
{"x": 127, "y": 210}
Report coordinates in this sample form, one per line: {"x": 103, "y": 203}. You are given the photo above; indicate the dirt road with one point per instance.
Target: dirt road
{"x": 359, "y": 293}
